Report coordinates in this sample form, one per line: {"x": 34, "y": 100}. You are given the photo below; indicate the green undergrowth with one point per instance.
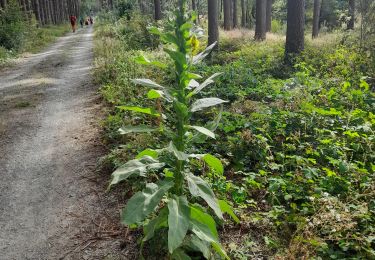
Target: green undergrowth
{"x": 33, "y": 40}
{"x": 37, "y": 39}
{"x": 297, "y": 142}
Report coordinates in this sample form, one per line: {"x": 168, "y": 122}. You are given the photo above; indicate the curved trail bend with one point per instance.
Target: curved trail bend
{"x": 48, "y": 147}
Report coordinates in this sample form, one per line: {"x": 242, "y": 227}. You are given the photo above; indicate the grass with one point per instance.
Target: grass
{"x": 35, "y": 40}
{"x": 38, "y": 38}
{"x": 23, "y": 104}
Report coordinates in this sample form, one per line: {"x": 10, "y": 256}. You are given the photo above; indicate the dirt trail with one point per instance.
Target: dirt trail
{"x": 50, "y": 199}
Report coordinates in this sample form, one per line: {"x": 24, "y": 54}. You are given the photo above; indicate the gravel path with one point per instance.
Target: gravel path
{"x": 48, "y": 151}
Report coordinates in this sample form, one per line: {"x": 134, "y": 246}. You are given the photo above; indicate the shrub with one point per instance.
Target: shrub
{"x": 12, "y": 26}
{"x": 277, "y": 27}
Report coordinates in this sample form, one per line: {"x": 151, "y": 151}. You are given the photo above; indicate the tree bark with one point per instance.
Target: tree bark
{"x": 213, "y": 25}
{"x": 35, "y": 5}
{"x": 157, "y": 7}
{"x": 243, "y": 13}
{"x": 269, "y": 15}
{"x": 235, "y": 19}
{"x": 352, "y": 15}
{"x": 316, "y": 18}
{"x": 260, "y": 20}
{"x": 2, "y": 3}
{"x": 227, "y": 15}
{"x": 295, "y": 41}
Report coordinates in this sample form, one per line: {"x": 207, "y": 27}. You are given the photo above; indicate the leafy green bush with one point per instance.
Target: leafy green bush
{"x": 12, "y": 26}
{"x": 277, "y": 27}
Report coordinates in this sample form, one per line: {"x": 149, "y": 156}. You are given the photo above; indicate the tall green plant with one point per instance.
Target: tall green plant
{"x": 173, "y": 201}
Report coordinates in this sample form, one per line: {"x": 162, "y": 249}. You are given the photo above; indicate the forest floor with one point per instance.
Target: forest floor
{"x": 53, "y": 203}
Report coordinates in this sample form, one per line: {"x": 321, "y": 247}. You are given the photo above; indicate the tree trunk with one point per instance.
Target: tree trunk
{"x": 269, "y": 15}
{"x": 352, "y": 15}
{"x": 227, "y": 15}
{"x": 35, "y": 5}
{"x": 157, "y": 7}
{"x": 45, "y": 12}
{"x": 295, "y": 41}
{"x": 213, "y": 25}
{"x": 2, "y": 3}
{"x": 220, "y": 9}
{"x": 243, "y": 13}
{"x": 316, "y": 17}
{"x": 260, "y": 20}
{"x": 235, "y": 20}
{"x": 197, "y": 7}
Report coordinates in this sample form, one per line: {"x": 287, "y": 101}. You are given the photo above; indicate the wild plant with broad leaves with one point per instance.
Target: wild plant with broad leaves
{"x": 177, "y": 200}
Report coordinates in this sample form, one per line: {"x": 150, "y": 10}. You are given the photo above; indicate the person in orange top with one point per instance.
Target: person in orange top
{"x": 73, "y": 20}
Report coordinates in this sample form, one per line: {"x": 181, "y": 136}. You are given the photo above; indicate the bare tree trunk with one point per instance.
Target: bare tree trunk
{"x": 269, "y": 15}
{"x": 227, "y": 15}
{"x": 3, "y": 3}
{"x": 213, "y": 25}
{"x": 141, "y": 6}
{"x": 220, "y": 9}
{"x": 35, "y": 5}
{"x": 260, "y": 22}
{"x": 45, "y": 12}
{"x": 316, "y": 17}
{"x": 243, "y": 13}
{"x": 157, "y": 7}
{"x": 352, "y": 15}
{"x": 295, "y": 41}
{"x": 235, "y": 19}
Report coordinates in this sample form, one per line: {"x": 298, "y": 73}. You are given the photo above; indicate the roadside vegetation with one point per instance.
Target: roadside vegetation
{"x": 21, "y": 32}
{"x": 293, "y": 152}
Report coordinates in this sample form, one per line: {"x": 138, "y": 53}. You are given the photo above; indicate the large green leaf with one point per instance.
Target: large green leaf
{"x": 148, "y": 152}
{"x": 218, "y": 248}
{"x": 212, "y": 126}
{"x": 147, "y": 83}
{"x": 158, "y": 222}
{"x": 154, "y": 94}
{"x": 226, "y": 208}
{"x": 137, "y": 129}
{"x": 199, "y": 57}
{"x": 214, "y": 163}
{"x": 181, "y": 156}
{"x": 178, "y": 57}
{"x": 193, "y": 84}
{"x": 178, "y": 221}
{"x": 135, "y": 167}
{"x": 199, "y": 188}
{"x": 144, "y": 61}
{"x": 196, "y": 214}
{"x": 203, "y": 130}
{"x": 147, "y": 110}
{"x": 179, "y": 254}
{"x": 207, "y": 82}
{"x": 144, "y": 202}
{"x": 205, "y": 102}
{"x": 196, "y": 244}
{"x": 204, "y": 233}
